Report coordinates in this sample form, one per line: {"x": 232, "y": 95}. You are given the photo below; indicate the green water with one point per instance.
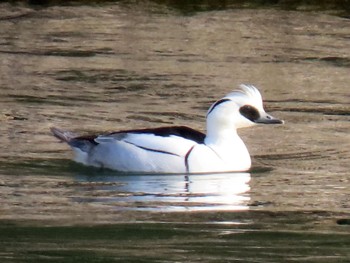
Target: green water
{"x": 213, "y": 241}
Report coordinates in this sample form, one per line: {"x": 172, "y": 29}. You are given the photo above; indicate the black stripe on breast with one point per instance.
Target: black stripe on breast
{"x": 217, "y": 104}
{"x": 186, "y": 158}
{"x": 152, "y": 150}
{"x": 181, "y": 131}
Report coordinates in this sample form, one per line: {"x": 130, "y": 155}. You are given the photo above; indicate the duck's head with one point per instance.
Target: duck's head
{"x": 239, "y": 109}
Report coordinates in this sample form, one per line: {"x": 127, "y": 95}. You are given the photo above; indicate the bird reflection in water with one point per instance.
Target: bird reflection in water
{"x": 182, "y": 192}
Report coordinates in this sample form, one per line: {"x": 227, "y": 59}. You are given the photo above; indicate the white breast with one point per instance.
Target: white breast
{"x": 228, "y": 157}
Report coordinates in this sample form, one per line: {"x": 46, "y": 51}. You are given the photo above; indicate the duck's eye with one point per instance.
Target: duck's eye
{"x": 250, "y": 112}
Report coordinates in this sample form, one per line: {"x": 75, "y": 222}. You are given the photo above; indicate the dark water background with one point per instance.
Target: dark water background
{"x": 132, "y": 64}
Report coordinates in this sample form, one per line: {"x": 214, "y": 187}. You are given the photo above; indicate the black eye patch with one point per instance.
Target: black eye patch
{"x": 250, "y": 112}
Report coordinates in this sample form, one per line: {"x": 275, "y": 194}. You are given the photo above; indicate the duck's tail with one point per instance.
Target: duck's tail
{"x": 64, "y": 136}
{"x": 81, "y": 145}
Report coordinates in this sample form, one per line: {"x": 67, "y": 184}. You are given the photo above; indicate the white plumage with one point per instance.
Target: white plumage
{"x": 178, "y": 149}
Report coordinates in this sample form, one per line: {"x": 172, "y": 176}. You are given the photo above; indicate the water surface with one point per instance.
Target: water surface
{"x": 120, "y": 66}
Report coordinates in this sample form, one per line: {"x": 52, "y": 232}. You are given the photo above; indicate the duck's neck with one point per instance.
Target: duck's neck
{"x": 230, "y": 148}
{"x": 227, "y": 141}
{"x": 221, "y": 137}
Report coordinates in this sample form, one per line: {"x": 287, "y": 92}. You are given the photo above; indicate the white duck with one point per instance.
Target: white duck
{"x": 178, "y": 149}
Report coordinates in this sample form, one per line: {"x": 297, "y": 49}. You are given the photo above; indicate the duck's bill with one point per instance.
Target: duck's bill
{"x": 268, "y": 119}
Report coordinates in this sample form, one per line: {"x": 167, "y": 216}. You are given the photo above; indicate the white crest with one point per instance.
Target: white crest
{"x": 249, "y": 91}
